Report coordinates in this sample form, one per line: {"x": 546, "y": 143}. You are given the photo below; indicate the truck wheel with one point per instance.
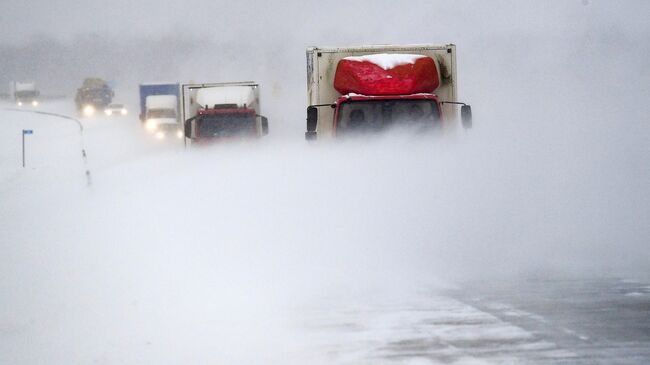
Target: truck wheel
{"x": 310, "y": 136}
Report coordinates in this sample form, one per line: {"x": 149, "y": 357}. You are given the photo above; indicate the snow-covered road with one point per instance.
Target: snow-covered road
{"x": 242, "y": 255}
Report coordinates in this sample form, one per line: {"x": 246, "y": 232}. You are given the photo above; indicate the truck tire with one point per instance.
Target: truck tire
{"x": 310, "y": 136}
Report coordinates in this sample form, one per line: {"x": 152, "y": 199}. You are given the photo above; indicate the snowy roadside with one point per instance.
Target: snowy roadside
{"x": 55, "y": 150}
{"x": 52, "y": 152}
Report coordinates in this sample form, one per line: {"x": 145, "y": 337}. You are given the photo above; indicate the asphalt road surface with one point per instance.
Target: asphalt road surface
{"x": 578, "y": 321}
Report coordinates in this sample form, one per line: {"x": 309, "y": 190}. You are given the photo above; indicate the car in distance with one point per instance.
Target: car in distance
{"x": 115, "y": 109}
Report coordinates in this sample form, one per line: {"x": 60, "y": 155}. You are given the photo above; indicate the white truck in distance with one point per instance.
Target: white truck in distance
{"x": 374, "y": 88}
{"x": 218, "y": 111}
{"x": 161, "y": 117}
{"x": 24, "y": 93}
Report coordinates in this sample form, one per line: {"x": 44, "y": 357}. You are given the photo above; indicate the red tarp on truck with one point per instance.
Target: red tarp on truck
{"x": 386, "y": 74}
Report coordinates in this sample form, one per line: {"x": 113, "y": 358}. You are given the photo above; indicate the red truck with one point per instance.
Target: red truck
{"x": 222, "y": 111}
{"x": 376, "y": 88}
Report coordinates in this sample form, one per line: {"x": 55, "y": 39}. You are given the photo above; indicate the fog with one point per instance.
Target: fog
{"x": 215, "y": 254}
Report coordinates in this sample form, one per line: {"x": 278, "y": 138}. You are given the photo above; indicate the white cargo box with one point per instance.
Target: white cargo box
{"x": 161, "y": 102}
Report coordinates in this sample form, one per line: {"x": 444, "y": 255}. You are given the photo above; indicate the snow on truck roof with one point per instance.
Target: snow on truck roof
{"x": 240, "y": 95}
{"x": 387, "y": 61}
{"x": 160, "y": 101}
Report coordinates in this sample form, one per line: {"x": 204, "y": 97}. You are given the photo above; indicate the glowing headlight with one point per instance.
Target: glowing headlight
{"x": 108, "y": 112}
{"x": 123, "y": 111}
{"x": 179, "y": 134}
{"x": 150, "y": 125}
{"x": 88, "y": 111}
{"x": 160, "y": 135}
{"x": 20, "y": 103}
{"x": 35, "y": 103}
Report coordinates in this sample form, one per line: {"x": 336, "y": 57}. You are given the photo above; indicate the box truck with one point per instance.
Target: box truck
{"x": 376, "y": 88}
{"x": 219, "y": 111}
{"x": 24, "y": 93}
{"x": 160, "y": 109}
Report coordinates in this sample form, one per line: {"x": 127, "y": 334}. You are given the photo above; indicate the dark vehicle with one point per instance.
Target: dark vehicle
{"x": 94, "y": 94}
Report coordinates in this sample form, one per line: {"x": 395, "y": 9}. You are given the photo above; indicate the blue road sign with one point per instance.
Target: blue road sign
{"x": 28, "y": 131}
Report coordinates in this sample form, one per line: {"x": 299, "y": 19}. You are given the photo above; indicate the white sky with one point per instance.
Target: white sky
{"x": 370, "y": 21}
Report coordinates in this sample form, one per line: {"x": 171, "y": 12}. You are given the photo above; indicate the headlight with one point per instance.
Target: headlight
{"x": 123, "y": 111}
{"x": 35, "y": 103}
{"x": 160, "y": 135}
{"x": 108, "y": 112}
{"x": 150, "y": 125}
{"x": 20, "y": 103}
{"x": 88, "y": 111}
{"x": 179, "y": 134}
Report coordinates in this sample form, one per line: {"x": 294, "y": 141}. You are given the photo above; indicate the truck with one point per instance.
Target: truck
{"x": 375, "y": 88}
{"x": 160, "y": 109}
{"x": 220, "y": 111}
{"x": 94, "y": 94}
{"x": 24, "y": 93}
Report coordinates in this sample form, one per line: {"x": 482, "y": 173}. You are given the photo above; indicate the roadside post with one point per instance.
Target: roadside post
{"x": 25, "y": 131}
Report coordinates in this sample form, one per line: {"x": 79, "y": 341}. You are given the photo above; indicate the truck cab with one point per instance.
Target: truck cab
{"x": 161, "y": 117}
{"x": 363, "y": 114}
{"x": 370, "y": 89}
{"x": 225, "y": 121}
{"x": 93, "y": 95}
{"x": 217, "y": 112}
